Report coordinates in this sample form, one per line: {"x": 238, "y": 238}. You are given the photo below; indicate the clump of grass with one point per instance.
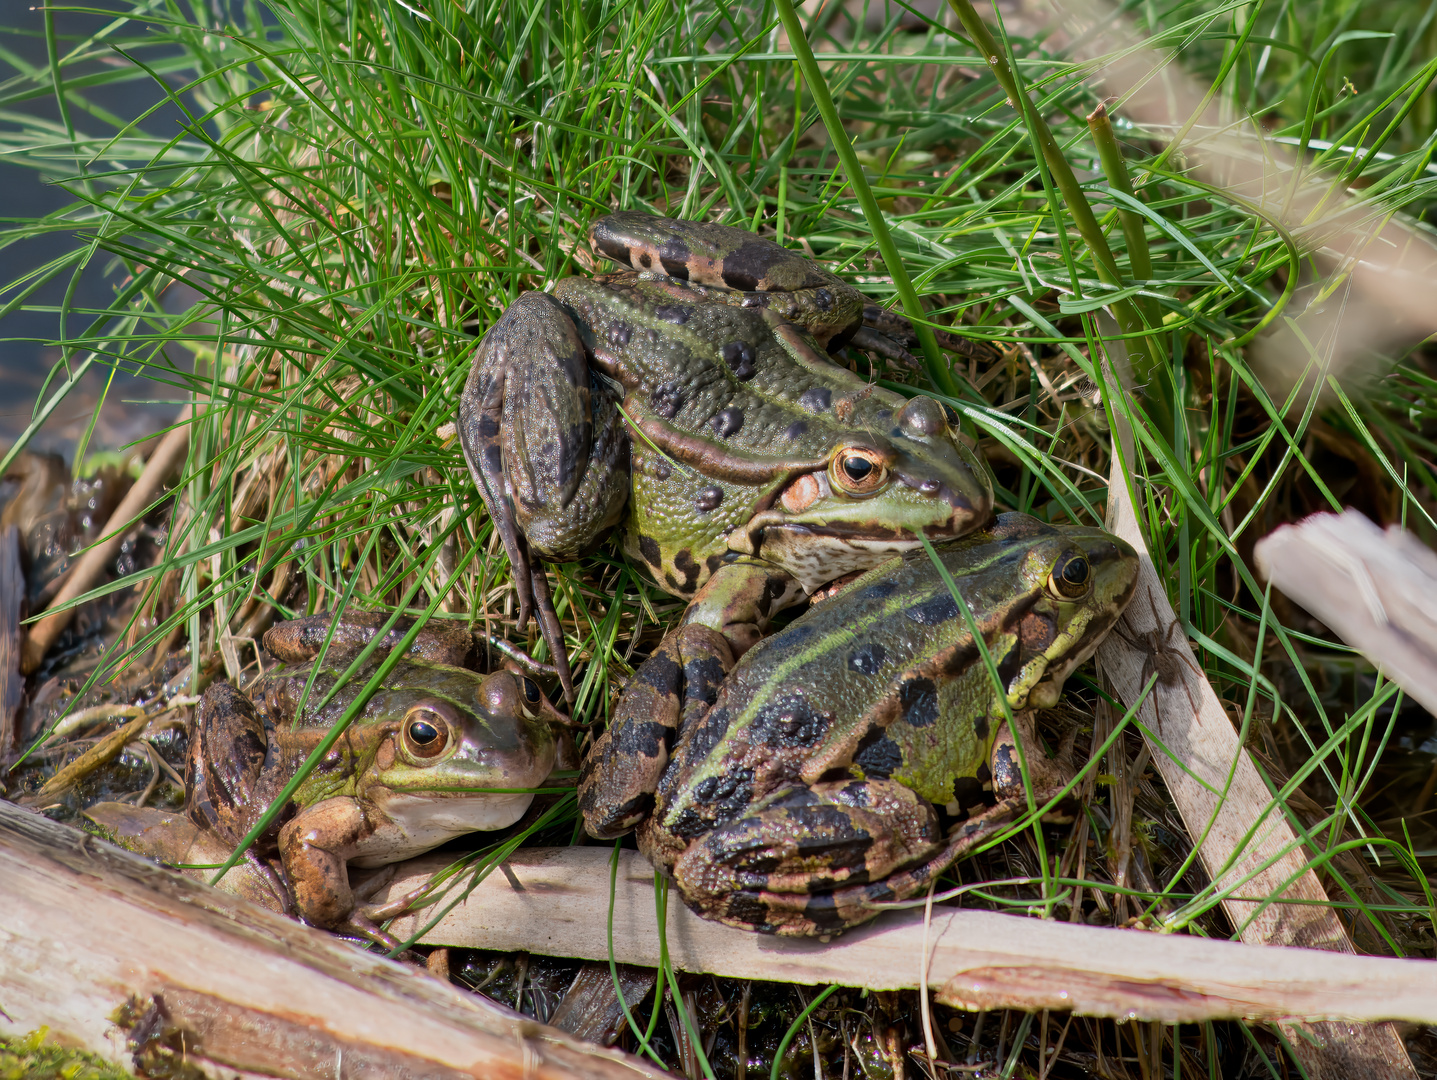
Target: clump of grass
{"x": 357, "y": 191}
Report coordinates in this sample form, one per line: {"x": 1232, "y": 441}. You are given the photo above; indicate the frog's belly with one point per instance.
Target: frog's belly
{"x": 417, "y": 823}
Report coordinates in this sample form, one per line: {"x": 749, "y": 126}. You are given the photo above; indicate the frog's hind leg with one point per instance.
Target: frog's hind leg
{"x": 622, "y": 770}
{"x": 230, "y": 744}
{"x": 805, "y": 860}
{"x": 548, "y": 452}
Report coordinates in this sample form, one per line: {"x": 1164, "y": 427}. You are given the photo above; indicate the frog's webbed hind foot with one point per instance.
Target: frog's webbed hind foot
{"x": 622, "y": 770}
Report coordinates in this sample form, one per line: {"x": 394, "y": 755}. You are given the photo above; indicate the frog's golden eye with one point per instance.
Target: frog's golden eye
{"x": 425, "y": 732}
{"x": 858, "y": 470}
{"x": 1071, "y": 577}
{"x": 532, "y": 693}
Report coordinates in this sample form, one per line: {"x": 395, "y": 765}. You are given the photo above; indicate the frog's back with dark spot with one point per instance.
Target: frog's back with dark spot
{"x": 858, "y": 685}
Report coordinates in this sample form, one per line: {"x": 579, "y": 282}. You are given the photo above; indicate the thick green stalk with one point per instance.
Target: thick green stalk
{"x": 1140, "y": 260}
{"x": 934, "y": 363}
{"x": 1104, "y": 263}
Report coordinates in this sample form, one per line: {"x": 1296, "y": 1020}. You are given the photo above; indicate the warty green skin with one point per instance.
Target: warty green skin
{"x": 808, "y": 786}
{"x": 691, "y": 397}
{"x": 436, "y": 752}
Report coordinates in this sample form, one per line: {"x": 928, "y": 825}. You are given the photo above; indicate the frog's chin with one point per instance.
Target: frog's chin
{"x": 1049, "y": 688}
{"x": 815, "y": 555}
{"x": 418, "y": 822}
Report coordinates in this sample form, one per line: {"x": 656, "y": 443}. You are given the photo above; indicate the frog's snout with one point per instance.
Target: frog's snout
{"x": 965, "y": 493}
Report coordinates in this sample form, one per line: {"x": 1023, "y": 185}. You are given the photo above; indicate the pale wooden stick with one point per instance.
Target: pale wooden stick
{"x": 90, "y": 931}
{"x": 82, "y": 576}
{"x": 1221, "y": 796}
{"x": 555, "y": 901}
{"x": 1376, "y": 590}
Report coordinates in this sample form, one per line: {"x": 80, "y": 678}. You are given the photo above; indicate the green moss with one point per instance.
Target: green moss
{"x": 30, "y": 1058}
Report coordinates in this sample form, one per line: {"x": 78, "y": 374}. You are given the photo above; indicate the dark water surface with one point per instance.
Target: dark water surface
{"x": 133, "y": 407}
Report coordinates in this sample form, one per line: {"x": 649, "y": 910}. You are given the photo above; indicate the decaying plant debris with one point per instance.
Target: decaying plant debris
{"x": 367, "y": 208}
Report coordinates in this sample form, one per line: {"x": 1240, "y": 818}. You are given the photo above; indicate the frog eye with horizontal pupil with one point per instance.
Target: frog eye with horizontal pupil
{"x": 426, "y": 733}
{"x": 532, "y": 694}
{"x": 1072, "y": 578}
{"x": 858, "y": 471}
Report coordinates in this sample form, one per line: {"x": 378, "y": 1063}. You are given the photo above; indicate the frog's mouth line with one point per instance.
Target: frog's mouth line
{"x": 852, "y": 534}
{"x": 840, "y": 531}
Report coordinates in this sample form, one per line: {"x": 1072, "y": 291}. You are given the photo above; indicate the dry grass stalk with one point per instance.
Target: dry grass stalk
{"x": 1378, "y": 294}
{"x": 104, "y": 751}
{"x": 1376, "y": 590}
{"x": 1244, "y": 841}
{"x": 12, "y": 591}
{"x": 165, "y": 459}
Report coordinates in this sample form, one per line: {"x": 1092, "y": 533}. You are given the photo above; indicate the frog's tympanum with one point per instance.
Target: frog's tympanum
{"x": 852, "y": 756}
{"x": 438, "y": 751}
{"x": 692, "y": 397}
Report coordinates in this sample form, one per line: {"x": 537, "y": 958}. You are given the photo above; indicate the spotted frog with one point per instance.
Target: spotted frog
{"x": 438, "y": 751}
{"x": 691, "y": 397}
{"x": 852, "y": 756}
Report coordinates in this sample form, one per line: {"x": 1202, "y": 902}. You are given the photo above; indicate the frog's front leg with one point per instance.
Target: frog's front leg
{"x": 738, "y": 601}
{"x": 316, "y": 846}
{"x": 804, "y": 859}
{"x": 622, "y": 770}
{"x": 1045, "y": 777}
{"x": 546, "y": 446}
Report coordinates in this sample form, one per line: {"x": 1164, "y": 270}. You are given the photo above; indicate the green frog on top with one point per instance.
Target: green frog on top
{"x": 692, "y": 398}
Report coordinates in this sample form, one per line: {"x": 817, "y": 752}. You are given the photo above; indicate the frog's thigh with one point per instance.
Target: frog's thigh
{"x": 565, "y": 526}
{"x": 315, "y": 846}
{"x": 621, "y": 773}
{"x": 803, "y": 841}
{"x": 298, "y": 640}
{"x": 228, "y": 745}
{"x": 761, "y": 900}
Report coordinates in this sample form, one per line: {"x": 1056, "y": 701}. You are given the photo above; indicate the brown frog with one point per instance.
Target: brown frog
{"x": 436, "y": 752}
